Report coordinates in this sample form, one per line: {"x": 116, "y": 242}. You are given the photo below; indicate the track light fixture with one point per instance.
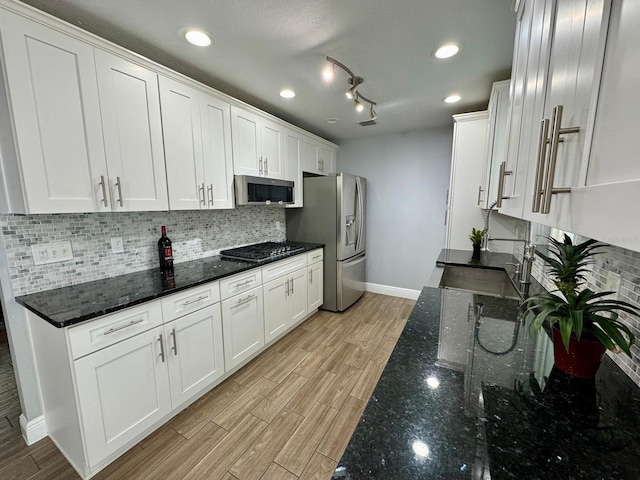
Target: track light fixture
{"x": 353, "y": 93}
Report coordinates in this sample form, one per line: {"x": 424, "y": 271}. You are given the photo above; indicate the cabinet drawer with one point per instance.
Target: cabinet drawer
{"x": 240, "y": 283}
{"x": 283, "y": 267}
{"x": 91, "y": 336}
{"x": 179, "y": 304}
{"x": 315, "y": 256}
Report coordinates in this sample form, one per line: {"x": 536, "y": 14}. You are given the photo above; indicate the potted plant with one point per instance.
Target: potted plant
{"x": 476, "y": 240}
{"x": 584, "y": 323}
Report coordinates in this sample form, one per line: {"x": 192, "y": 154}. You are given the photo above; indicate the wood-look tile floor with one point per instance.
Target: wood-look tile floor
{"x": 287, "y": 415}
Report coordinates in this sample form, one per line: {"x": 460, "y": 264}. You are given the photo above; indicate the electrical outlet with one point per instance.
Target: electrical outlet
{"x": 613, "y": 282}
{"x": 52, "y": 252}
{"x": 116, "y": 245}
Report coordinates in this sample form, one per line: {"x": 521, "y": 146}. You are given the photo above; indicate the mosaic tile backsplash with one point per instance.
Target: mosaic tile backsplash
{"x": 625, "y": 263}
{"x": 195, "y": 234}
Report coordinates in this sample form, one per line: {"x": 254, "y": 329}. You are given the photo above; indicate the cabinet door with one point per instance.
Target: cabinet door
{"x": 311, "y": 155}
{"x": 276, "y": 315}
{"x": 272, "y": 151}
{"x": 606, "y": 204}
{"x": 130, "y": 106}
{"x": 246, "y": 142}
{"x": 123, "y": 390}
{"x": 573, "y": 80}
{"x": 243, "y": 325}
{"x": 327, "y": 159}
{"x": 182, "y": 145}
{"x": 195, "y": 353}
{"x": 527, "y": 94}
{"x": 315, "y": 293}
{"x": 297, "y": 299}
{"x": 216, "y": 149}
{"x": 293, "y": 164}
{"x": 51, "y": 82}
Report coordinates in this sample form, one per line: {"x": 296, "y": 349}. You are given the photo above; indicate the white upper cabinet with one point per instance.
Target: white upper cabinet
{"x": 130, "y": 107}
{"x": 53, "y": 93}
{"x": 293, "y": 163}
{"x": 318, "y": 157}
{"x": 258, "y": 145}
{"x": 527, "y": 93}
{"x": 496, "y": 151}
{"x": 197, "y": 137}
{"x": 605, "y": 204}
{"x": 573, "y": 80}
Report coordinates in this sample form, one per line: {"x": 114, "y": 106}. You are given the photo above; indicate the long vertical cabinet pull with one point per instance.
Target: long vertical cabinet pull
{"x": 266, "y": 167}
{"x": 480, "y": 190}
{"x": 287, "y": 291}
{"x": 175, "y": 342}
{"x": 543, "y": 141}
{"x": 311, "y": 276}
{"x": 503, "y": 173}
{"x": 161, "y": 348}
{"x": 556, "y": 131}
{"x": 210, "y": 194}
{"x": 260, "y": 166}
{"x": 202, "y": 198}
{"x": 104, "y": 190}
{"x": 119, "y": 185}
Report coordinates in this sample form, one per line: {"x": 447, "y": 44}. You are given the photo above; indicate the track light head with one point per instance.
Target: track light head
{"x": 372, "y": 113}
{"x": 353, "y": 91}
{"x": 358, "y": 104}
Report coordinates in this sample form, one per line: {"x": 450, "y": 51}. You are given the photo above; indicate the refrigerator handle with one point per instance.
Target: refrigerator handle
{"x": 359, "y": 214}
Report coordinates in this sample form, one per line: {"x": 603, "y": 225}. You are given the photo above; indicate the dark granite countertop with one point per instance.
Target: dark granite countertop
{"x": 492, "y": 260}
{"x": 77, "y": 303}
{"x": 467, "y": 397}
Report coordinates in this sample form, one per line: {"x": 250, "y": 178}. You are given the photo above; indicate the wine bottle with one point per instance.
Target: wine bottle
{"x": 165, "y": 252}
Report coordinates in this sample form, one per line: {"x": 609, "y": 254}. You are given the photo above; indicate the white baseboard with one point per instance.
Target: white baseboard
{"x": 33, "y": 430}
{"x": 393, "y": 291}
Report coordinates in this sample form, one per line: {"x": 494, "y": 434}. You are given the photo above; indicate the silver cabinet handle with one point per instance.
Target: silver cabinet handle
{"x": 175, "y": 342}
{"x": 119, "y": 185}
{"x": 310, "y": 276}
{"x": 538, "y": 188}
{"x": 446, "y": 214}
{"x": 245, "y": 300}
{"x": 316, "y": 257}
{"x": 210, "y": 194}
{"x": 321, "y": 165}
{"x": 104, "y": 190}
{"x": 480, "y": 190}
{"x": 195, "y": 300}
{"x": 201, "y": 189}
{"x": 556, "y": 131}
{"x": 121, "y": 327}
{"x": 503, "y": 173}
{"x": 161, "y": 348}
{"x": 242, "y": 284}
{"x": 291, "y": 285}
{"x": 260, "y": 165}
{"x": 287, "y": 290}
{"x": 266, "y": 166}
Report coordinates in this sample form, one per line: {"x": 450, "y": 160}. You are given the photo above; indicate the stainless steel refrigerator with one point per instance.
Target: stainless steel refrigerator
{"x": 334, "y": 214}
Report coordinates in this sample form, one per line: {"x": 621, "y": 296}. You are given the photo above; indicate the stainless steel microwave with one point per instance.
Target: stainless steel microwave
{"x": 263, "y": 191}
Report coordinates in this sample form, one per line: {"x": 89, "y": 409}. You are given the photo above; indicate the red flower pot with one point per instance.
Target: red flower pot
{"x": 583, "y": 358}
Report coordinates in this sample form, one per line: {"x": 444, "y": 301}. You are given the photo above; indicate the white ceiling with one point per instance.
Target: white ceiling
{"x": 263, "y": 46}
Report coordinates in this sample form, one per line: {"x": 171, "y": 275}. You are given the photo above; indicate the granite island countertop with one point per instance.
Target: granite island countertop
{"x": 475, "y": 397}
{"x": 71, "y": 305}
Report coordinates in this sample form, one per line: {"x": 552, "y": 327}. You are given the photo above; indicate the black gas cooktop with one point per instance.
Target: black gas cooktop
{"x": 261, "y": 252}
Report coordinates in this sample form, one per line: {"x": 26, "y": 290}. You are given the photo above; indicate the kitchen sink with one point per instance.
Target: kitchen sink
{"x": 495, "y": 283}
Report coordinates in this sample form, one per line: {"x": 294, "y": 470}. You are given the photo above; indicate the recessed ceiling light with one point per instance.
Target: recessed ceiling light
{"x": 446, "y": 51}
{"x": 198, "y": 38}
{"x": 332, "y": 120}
{"x": 452, "y": 99}
{"x": 287, "y": 93}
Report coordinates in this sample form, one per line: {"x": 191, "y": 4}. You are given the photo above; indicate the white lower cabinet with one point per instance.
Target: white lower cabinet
{"x": 243, "y": 326}
{"x": 122, "y": 391}
{"x": 315, "y": 291}
{"x": 193, "y": 347}
{"x": 285, "y": 303}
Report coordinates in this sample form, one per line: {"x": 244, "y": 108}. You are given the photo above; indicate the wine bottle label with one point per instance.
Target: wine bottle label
{"x": 168, "y": 253}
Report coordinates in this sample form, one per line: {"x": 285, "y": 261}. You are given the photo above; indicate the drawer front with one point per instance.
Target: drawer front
{"x": 315, "y": 256}
{"x": 240, "y": 283}
{"x": 93, "y": 335}
{"x": 283, "y": 267}
{"x": 179, "y": 304}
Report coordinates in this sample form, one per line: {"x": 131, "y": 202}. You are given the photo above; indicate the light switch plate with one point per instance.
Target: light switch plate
{"x": 52, "y": 252}
{"x": 117, "y": 245}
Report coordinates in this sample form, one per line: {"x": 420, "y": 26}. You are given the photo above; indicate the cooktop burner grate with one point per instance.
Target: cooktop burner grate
{"x": 261, "y": 252}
